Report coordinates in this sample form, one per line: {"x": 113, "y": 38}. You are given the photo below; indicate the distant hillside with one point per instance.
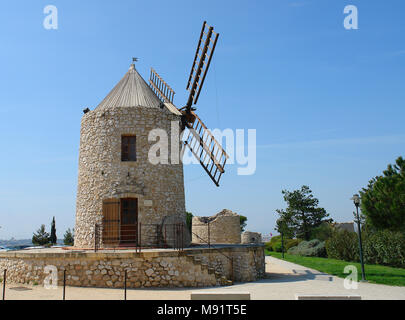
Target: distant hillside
{"x": 14, "y": 242}
{"x": 22, "y": 242}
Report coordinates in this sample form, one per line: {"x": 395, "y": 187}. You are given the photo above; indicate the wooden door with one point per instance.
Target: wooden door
{"x": 129, "y": 221}
{"x": 111, "y": 221}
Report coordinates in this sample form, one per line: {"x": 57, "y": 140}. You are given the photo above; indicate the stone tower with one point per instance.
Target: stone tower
{"x": 117, "y": 182}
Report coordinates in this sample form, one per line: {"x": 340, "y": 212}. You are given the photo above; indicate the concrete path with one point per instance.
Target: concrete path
{"x": 286, "y": 279}
{"x": 283, "y": 281}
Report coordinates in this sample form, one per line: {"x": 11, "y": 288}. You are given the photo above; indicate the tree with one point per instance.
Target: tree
{"x": 243, "y": 223}
{"x": 189, "y": 220}
{"x": 41, "y": 237}
{"x": 383, "y": 201}
{"x": 282, "y": 226}
{"x": 285, "y": 231}
{"x": 53, "y": 238}
{"x": 68, "y": 237}
{"x": 302, "y": 214}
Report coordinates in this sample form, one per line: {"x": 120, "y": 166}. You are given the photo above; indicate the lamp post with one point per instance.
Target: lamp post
{"x": 356, "y": 200}
{"x": 281, "y": 227}
{"x": 282, "y": 243}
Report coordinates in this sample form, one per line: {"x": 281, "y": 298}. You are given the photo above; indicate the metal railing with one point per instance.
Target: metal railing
{"x": 113, "y": 235}
{"x": 208, "y": 242}
{"x": 96, "y": 237}
{"x": 4, "y": 284}
{"x": 64, "y": 284}
{"x": 206, "y": 225}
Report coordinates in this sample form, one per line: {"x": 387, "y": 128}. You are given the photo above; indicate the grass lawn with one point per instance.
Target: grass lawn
{"x": 374, "y": 273}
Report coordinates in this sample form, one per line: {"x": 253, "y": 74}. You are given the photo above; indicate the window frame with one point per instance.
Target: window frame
{"x": 127, "y": 143}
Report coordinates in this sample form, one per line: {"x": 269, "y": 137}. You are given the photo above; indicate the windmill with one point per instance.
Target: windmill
{"x": 199, "y": 138}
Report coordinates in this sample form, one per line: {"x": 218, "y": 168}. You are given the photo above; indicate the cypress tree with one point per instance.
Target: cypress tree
{"x": 53, "y": 237}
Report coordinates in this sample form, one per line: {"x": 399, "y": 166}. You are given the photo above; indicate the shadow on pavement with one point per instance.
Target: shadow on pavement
{"x": 295, "y": 276}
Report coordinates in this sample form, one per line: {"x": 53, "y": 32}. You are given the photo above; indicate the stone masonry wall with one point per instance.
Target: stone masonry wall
{"x": 102, "y": 175}
{"x": 251, "y": 237}
{"x": 223, "y": 228}
{"x": 146, "y": 269}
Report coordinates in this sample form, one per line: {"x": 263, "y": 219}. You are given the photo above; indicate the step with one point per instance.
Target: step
{"x": 220, "y": 295}
{"x": 326, "y": 297}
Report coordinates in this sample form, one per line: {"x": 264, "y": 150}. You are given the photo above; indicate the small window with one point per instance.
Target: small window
{"x": 128, "y": 148}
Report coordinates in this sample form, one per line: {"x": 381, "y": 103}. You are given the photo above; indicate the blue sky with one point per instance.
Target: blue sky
{"x": 327, "y": 103}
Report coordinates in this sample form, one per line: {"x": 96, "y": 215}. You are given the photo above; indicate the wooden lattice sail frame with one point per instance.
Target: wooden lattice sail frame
{"x": 199, "y": 139}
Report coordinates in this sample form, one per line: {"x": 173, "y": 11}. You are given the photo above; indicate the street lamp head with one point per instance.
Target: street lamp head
{"x": 356, "y": 200}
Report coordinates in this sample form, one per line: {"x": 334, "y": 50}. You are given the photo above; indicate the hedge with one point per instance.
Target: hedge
{"x": 275, "y": 244}
{"x": 313, "y": 248}
{"x": 379, "y": 247}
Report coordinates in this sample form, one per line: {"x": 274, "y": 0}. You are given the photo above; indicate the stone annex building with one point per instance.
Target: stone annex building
{"x": 118, "y": 188}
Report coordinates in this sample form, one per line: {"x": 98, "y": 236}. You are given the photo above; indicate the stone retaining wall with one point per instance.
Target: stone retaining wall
{"x": 169, "y": 268}
{"x": 248, "y": 265}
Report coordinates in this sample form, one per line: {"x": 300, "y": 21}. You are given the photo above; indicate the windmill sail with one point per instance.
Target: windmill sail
{"x": 160, "y": 87}
{"x": 199, "y": 139}
{"x": 206, "y": 149}
{"x": 205, "y": 50}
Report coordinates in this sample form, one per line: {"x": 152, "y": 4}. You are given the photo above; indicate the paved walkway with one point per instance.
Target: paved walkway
{"x": 283, "y": 281}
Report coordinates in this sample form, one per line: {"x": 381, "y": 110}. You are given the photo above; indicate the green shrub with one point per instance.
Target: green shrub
{"x": 292, "y": 243}
{"x": 275, "y": 244}
{"x": 384, "y": 247}
{"x": 275, "y": 239}
{"x": 379, "y": 247}
{"x": 323, "y": 232}
{"x": 272, "y": 243}
{"x": 342, "y": 245}
{"x": 313, "y": 248}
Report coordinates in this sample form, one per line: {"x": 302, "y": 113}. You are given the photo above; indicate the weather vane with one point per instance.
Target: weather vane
{"x": 134, "y": 59}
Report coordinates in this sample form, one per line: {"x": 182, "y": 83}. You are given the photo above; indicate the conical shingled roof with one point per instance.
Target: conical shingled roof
{"x": 131, "y": 91}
